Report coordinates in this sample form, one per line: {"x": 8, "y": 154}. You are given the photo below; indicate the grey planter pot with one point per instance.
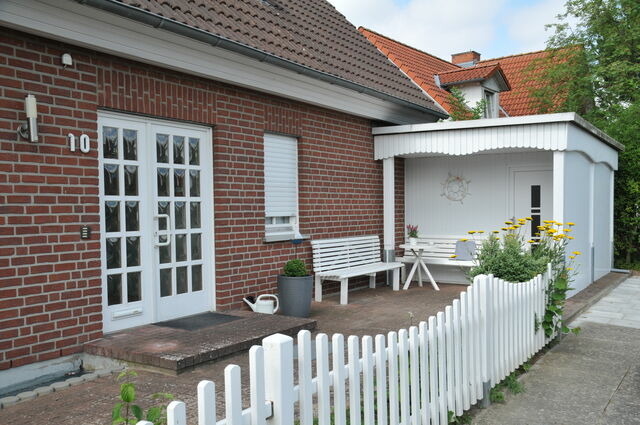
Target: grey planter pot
{"x": 294, "y": 294}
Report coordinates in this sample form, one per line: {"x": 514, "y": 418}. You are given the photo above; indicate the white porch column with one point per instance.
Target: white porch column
{"x": 558, "y": 186}
{"x": 389, "y": 189}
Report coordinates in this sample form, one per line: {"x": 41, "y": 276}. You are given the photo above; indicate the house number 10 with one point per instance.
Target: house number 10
{"x": 85, "y": 146}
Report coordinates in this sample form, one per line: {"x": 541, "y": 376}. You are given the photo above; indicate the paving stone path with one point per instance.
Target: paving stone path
{"x": 592, "y": 378}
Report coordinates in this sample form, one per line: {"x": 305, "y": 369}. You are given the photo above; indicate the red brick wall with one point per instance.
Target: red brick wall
{"x": 50, "y": 288}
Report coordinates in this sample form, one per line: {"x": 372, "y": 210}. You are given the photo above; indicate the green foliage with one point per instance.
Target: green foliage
{"x": 465, "y": 419}
{"x": 126, "y": 412}
{"x": 460, "y": 111}
{"x": 496, "y": 395}
{"x": 593, "y": 69}
{"x": 295, "y": 268}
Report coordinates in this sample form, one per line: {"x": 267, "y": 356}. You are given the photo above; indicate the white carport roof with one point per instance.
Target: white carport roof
{"x": 553, "y": 132}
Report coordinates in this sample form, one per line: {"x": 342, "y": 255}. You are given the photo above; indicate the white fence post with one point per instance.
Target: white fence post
{"x": 206, "y": 403}
{"x": 487, "y": 328}
{"x": 176, "y": 413}
{"x": 278, "y": 356}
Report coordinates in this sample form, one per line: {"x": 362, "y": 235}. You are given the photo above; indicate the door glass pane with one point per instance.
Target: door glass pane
{"x": 165, "y": 251}
{"x": 162, "y": 147}
{"x": 181, "y": 247}
{"x": 194, "y": 183}
{"x": 112, "y": 216}
{"x": 182, "y": 284}
{"x": 164, "y": 208}
{"x": 114, "y": 289}
{"x": 163, "y": 182}
{"x": 196, "y": 248}
{"x": 110, "y": 142}
{"x": 134, "y": 292}
{"x": 133, "y": 251}
{"x": 181, "y": 218}
{"x": 130, "y": 144}
{"x": 165, "y": 282}
{"x": 194, "y": 151}
{"x": 195, "y": 215}
{"x": 113, "y": 253}
{"x": 111, "y": 180}
{"x": 130, "y": 180}
{"x": 178, "y": 183}
{"x": 178, "y": 149}
{"x": 196, "y": 278}
{"x": 131, "y": 213}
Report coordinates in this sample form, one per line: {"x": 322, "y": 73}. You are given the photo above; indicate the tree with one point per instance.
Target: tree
{"x": 593, "y": 68}
{"x": 460, "y": 110}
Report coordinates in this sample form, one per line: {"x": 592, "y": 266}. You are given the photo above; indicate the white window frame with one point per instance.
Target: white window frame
{"x": 490, "y": 110}
{"x": 281, "y": 227}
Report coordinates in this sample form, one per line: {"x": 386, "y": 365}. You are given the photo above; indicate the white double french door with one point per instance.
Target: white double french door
{"x": 156, "y": 194}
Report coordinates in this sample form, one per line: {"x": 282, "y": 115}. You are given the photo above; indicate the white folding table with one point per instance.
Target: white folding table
{"x": 419, "y": 265}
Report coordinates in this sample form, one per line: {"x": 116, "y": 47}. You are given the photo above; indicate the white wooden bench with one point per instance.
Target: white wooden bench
{"x": 444, "y": 268}
{"x": 343, "y": 258}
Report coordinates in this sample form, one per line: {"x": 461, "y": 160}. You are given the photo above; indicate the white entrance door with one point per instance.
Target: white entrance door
{"x": 156, "y": 220}
{"x": 533, "y": 197}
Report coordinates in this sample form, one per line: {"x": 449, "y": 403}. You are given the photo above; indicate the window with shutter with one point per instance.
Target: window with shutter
{"x": 281, "y": 187}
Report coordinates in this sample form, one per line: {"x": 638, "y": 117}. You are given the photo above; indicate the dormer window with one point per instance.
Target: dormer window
{"x": 490, "y": 109}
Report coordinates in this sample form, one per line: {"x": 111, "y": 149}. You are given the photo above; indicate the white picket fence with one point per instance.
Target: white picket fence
{"x": 409, "y": 377}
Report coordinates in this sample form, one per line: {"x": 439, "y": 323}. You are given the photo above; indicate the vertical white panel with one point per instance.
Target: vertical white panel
{"x": 433, "y": 372}
{"x": 177, "y": 413}
{"x": 323, "y": 382}
{"x": 424, "y": 373}
{"x": 207, "y": 403}
{"x": 394, "y": 391}
{"x": 233, "y": 395}
{"x": 339, "y": 395}
{"x": 558, "y": 185}
{"x": 403, "y": 351}
{"x": 256, "y": 385}
{"x": 278, "y": 358}
{"x": 367, "y": 380}
{"x": 414, "y": 369}
{"x": 442, "y": 368}
{"x": 354, "y": 380}
{"x": 305, "y": 378}
{"x": 389, "y": 210}
{"x": 457, "y": 357}
{"x": 381, "y": 379}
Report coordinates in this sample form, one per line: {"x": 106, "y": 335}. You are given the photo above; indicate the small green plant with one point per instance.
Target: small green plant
{"x": 496, "y": 395}
{"x": 465, "y": 419}
{"x": 295, "y": 268}
{"x": 126, "y": 412}
{"x": 513, "y": 385}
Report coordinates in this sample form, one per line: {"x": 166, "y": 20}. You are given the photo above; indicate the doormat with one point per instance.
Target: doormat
{"x": 198, "y": 321}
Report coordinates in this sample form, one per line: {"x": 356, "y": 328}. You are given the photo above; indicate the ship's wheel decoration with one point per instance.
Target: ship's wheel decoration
{"x": 455, "y": 188}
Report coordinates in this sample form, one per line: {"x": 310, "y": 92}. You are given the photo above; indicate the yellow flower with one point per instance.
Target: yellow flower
{"x": 577, "y": 252}
{"x": 496, "y": 231}
{"x": 548, "y": 221}
{"x": 511, "y": 227}
{"x": 570, "y": 223}
{"x": 558, "y": 223}
{"x": 504, "y": 228}
{"x": 569, "y": 268}
{"x": 551, "y": 231}
{"x": 508, "y": 222}
{"x": 566, "y": 230}
{"x": 480, "y": 231}
{"x": 560, "y": 236}
{"x": 570, "y": 237}
{"x": 541, "y": 227}
{"x": 573, "y": 257}
{"x": 471, "y": 232}
{"x": 528, "y": 218}
{"x": 531, "y": 241}
{"x": 463, "y": 240}
{"x": 453, "y": 256}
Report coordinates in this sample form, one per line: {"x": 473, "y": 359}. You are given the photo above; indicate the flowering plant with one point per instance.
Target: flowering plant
{"x": 412, "y": 230}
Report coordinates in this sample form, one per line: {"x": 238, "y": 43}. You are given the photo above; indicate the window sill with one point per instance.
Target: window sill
{"x": 284, "y": 237}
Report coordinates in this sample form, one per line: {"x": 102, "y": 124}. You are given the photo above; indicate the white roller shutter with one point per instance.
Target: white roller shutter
{"x": 280, "y": 176}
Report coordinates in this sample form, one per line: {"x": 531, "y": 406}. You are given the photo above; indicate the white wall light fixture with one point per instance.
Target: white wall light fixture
{"x": 29, "y": 129}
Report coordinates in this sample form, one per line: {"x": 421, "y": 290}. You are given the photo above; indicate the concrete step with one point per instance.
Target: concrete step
{"x": 176, "y": 350}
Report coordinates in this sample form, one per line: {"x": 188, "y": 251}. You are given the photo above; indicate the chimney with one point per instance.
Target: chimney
{"x": 466, "y": 59}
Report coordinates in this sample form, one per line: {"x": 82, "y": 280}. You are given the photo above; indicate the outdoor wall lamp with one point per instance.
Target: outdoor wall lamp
{"x": 29, "y": 129}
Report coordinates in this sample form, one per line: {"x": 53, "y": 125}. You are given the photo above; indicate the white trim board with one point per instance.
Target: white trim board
{"x": 91, "y": 28}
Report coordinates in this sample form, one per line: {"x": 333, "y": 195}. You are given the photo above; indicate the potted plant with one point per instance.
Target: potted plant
{"x": 295, "y": 285}
{"x": 412, "y": 232}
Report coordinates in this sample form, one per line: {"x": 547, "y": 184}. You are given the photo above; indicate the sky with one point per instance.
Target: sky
{"x": 493, "y": 28}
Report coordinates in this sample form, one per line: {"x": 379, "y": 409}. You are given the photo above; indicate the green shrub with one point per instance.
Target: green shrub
{"x": 295, "y": 268}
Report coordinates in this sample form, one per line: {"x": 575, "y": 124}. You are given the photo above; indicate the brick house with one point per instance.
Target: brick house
{"x": 180, "y": 148}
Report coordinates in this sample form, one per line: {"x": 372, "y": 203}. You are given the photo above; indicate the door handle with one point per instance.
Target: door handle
{"x": 166, "y": 233}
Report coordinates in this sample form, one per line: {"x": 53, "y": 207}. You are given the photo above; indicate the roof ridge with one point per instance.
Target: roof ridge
{"x": 410, "y": 47}
{"x": 517, "y": 54}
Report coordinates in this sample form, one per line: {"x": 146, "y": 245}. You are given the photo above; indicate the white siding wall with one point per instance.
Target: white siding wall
{"x": 484, "y": 209}
{"x": 577, "y": 198}
{"x": 602, "y": 220}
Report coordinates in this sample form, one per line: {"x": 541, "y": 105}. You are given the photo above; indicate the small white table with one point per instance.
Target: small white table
{"x": 419, "y": 265}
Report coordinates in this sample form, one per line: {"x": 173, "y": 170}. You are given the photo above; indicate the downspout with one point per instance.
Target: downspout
{"x": 158, "y": 21}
